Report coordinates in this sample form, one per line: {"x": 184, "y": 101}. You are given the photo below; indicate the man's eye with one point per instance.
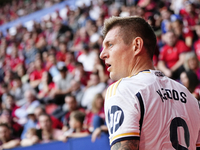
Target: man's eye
{"x": 110, "y": 45}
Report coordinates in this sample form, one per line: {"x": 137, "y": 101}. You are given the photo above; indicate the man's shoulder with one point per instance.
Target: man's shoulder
{"x": 124, "y": 85}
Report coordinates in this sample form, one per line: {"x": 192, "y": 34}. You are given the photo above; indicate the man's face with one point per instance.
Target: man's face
{"x": 118, "y": 56}
{"x": 38, "y": 112}
{"x": 71, "y": 103}
{"x": 44, "y": 122}
{"x": 4, "y": 133}
{"x": 29, "y": 96}
{"x": 170, "y": 38}
{"x": 177, "y": 27}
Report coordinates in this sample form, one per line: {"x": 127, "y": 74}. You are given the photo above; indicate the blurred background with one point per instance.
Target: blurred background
{"x": 52, "y": 81}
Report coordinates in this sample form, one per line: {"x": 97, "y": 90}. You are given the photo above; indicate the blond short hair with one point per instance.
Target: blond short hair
{"x": 131, "y": 27}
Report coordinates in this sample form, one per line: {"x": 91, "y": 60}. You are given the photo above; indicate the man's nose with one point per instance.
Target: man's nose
{"x": 103, "y": 54}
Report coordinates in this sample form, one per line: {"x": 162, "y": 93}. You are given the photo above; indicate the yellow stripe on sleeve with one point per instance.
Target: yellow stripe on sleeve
{"x": 111, "y": 90}
{"x": 146, "y": 72}
{"x": 124, "y": 134}
{"x": 116, "y": 84}
{"x": 107, "y": 92}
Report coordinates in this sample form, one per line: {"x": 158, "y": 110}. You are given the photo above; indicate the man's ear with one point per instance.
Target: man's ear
{"x": 137, "y": 45}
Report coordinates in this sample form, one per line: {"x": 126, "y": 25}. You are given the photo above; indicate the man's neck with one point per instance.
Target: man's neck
{"x": 141, "y": 65}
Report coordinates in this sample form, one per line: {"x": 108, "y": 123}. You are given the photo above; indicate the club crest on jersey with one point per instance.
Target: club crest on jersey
{"x": 115, "y": 118}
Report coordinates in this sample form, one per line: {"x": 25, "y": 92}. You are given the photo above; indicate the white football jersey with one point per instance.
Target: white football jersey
{"x": 151, "y": 107}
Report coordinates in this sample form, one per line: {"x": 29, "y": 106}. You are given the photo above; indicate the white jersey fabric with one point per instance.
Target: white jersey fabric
{"x": 151, "y": 107}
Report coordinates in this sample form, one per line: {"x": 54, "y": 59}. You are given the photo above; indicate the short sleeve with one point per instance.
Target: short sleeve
{"x": 122, "y": 118}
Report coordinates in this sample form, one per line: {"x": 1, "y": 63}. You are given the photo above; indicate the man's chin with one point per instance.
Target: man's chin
{"x": 114, "y": 77}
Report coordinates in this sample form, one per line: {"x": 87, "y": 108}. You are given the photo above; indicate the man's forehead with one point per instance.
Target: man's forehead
{"x": 112, "y": 34}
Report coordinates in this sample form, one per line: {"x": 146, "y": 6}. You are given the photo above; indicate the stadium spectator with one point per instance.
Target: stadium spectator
{"x": 190, "y": 81}
{"x": 95, "y": 117}
{"x": 36, "y": 75}
{"x": 70, "y": 61}
{"x": 18, "y": 89}
{"x": 87, "y": 58}
{"x": 4, "y": 91}
{"x": 100, "y": 68}
{"x": 21, "y": 72}
{"x": 191, "y": 63}
{"x": 30, "y": 103}
{"x": 189, "y": 14}
{"x": 61, "y": 54}
{"x": 165, "y": 14}
{"x": 15, "y": 9}
{"x": 63, "y": 86}
{"x": 80, "y": 37}
{"x": 10, "y": 104}
{"x": 77, "y": 90}
{"x": 55, "y": 122}
{"x": 182, "y": 33}
{"x": 15, "y": 57}
{"x": 6, "y": 139}
{"x": 30, "y": 52}
{"x": 31, "y": 123}
{"x": 45, "y": 124}
{"x": 80, "y": 74}
{"x": 45, "y": 87}
{"x": 76, "y": 129}
{"x": 31, "y": 138}
{"x": 170, "y": 66}
{"x": 93, "y": 87}
{"x": 52, "y": 66}
{"x": 72, "y": 105}
{"x": 7, "y": 118}
{"x": 197, "y": 42}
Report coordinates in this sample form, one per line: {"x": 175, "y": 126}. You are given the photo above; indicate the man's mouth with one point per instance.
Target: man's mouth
{"x": 108, "y": 66}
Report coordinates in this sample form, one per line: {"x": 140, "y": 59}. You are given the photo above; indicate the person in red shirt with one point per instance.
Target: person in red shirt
{"x": 189, "y": 14}
{"x": 183, "y": 33}
{"x": 45, "y": 87}
{"x": 172, "y": 55}
{"x": 15, "y": 58}
{"x": 61, "y": 54}
{"x": 36, "y": 76}
{"x": 70, "y": 61}
{"x": 197, "y": 43}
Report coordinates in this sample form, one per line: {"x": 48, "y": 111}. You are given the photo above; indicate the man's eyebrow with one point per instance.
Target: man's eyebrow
{"x": 106, "y": 42}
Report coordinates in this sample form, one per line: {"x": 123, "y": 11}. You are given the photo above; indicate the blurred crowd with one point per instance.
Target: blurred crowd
{"x": 52, "y": 81}
{"x": 18, "y": 8}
